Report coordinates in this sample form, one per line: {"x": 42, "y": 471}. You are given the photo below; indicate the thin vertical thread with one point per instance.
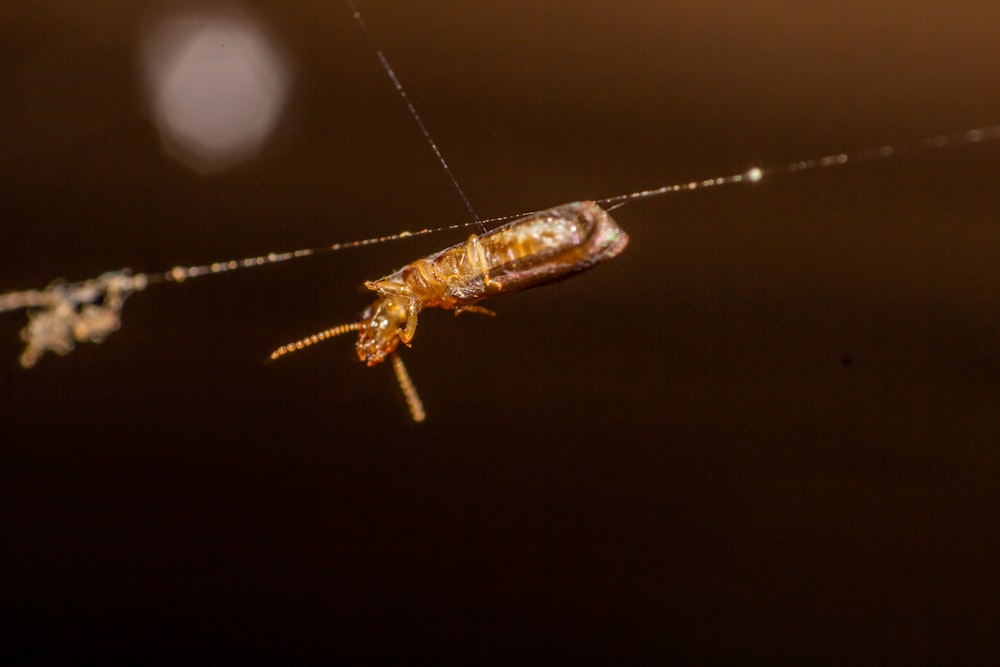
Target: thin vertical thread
{"x": 413, "y": 110}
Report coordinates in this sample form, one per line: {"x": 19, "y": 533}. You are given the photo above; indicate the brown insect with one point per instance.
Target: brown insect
{"x": 528, "y": 252}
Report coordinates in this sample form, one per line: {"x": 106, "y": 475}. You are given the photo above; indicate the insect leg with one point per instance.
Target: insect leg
{"x": 475, "y": 309}
{"x": 406, "y": 335}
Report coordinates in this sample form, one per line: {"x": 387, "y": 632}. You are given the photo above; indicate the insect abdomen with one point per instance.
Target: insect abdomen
{"x": 551, "y": 245}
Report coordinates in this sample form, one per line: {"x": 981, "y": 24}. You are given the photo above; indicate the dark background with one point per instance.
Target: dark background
{"x": 768, "y": 430}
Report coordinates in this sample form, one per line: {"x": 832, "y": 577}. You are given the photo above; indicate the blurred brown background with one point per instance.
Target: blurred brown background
{"x": 768, "y": 430}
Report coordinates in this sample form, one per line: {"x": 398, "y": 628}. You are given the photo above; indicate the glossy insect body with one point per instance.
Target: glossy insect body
{"x": 529, "y": 252}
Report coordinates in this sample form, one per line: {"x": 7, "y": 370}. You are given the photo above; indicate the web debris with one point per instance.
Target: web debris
{"x": 64, "y": 314}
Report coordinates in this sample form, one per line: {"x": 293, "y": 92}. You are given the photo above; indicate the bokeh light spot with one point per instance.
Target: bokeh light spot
{"x": 217, "y": 87}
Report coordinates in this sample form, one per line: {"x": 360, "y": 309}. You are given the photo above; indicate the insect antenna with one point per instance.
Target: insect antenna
{"x": 413, "y": 401}
{"x": 315, "y": 338}
{"x": 409, "y": 390}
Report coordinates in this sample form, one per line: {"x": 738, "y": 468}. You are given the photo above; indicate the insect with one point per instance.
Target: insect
{"x": 512, "y": 257}
{"x": 529, "y": 252}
